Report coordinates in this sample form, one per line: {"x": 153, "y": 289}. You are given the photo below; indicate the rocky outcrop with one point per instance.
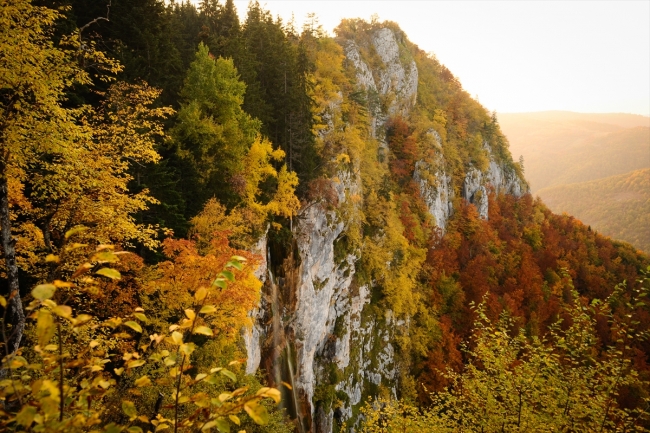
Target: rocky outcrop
{"x": 436, "y": 191}
{"x": 501, "y": 178}
{"x": 396, "y": 80}
{"x": 252, "y": 335}
{"x": 365, "y": 80}
{"x": 322, "y": 282}
{"x": 396, "y": 77}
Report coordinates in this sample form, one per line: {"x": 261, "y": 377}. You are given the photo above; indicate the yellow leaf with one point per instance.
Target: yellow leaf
{"x": 143, "y": 381}
{"x": 200, "y": 294}
{"x": 51, "y": 258}
{"x": 271, "y": 393}
{"x": 257, "y": 412}
{"x": 60, "y": 284}
{"x": 134, "y": 325}
{"x": 106, "y": 256}
{"x": 118, "y": 371}
{"x": 136, "y": 363}
{"x": 208, "y": 425}
{"x": 187, "y": 349}
{"x": 177, "y": 337}
{"x": 43, "y": 291}
{"x": 81, "y": 319}
{"x": 26, "y": 416}
{"x": 75, "y": 231}
{"x": 224, "y": 396}
{"x": 44, "y": 327}
{"x": 203, "y": 330}
{"x": 109, "y": 273}
{"x": 63, "y": 311}
{"x": 190, "y": 314}
{"x": 208, "y": 309}
{"x": 3, "y": 301}
{"x": 235, "y": 419}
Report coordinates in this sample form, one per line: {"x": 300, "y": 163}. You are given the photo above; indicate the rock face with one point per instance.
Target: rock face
{"x": 252, "y": 336}
{"x": 323, "y": 286}
{"x": 394, "y": 77}
{"x": 436, "y": 191}
{"x": 503, "y": 179}
{"x": 344, "y": 348}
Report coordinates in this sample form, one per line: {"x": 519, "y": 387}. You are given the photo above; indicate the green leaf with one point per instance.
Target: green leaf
{"x": 229, "y": 374}
{"x": 203, "y": 330}
{"x": 43, "y": 291}
{"x": 110, "y": 273}
{"x": 140, "y": 316}
{"x": 129, "y": 409}
{"x": 208, "y": 309}
{"x": 235, "y": 264}
{"x": 228, "y": 275}
{"x": 134, "y": 325}
{"x": 134, "y": 429}
{"x": 74, "y": 231}
{"x": 26, "y": 416}
{"x": 220, "y": 282}
{"x": 257, "y": 412}
{"x": 223, "y": 425}
{"x": 112, "y": 428}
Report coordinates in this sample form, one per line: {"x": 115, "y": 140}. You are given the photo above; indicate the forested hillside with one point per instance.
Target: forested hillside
{"x": 618, "y": 206}
{"x": 215, "y": 225}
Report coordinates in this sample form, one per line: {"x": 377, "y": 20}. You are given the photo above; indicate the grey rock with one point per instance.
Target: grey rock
{"x": 438, "y": 195}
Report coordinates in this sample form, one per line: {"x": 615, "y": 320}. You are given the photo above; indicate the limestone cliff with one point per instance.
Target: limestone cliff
{"x": 316, "y": 318}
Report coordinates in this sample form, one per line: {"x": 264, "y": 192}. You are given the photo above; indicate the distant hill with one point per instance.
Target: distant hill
{"x": 562, "y": 147}
{"x": 617, "y": 206}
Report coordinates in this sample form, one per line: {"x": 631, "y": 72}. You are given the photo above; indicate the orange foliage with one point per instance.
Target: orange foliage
{"x": 401, "y": 142}
{"x": 527, "y": 259}
{"x": 186, "y": 271}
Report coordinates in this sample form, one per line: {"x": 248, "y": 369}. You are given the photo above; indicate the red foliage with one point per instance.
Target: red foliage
{"x": 527, "y": 259}
{"x": 404, "y": 147}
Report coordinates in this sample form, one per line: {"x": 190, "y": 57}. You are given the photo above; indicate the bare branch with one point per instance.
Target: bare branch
{"x": 106, "y": 18}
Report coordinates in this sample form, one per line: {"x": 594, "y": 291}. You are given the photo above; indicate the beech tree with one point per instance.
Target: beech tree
{"x": 63, "y": 165}
{"x": 34, "y": 74}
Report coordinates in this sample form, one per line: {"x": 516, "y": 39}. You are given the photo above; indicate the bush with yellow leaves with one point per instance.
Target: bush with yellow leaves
{"x": 65, "y": 378}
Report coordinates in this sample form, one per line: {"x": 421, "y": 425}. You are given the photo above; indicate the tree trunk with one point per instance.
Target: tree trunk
{"x": 15, "y": 316}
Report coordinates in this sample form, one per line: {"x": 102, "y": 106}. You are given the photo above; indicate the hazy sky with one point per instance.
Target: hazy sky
{"x": 515, "y": 56}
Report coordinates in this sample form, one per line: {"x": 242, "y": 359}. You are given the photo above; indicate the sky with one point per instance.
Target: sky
{"x": 518, "y": 56}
